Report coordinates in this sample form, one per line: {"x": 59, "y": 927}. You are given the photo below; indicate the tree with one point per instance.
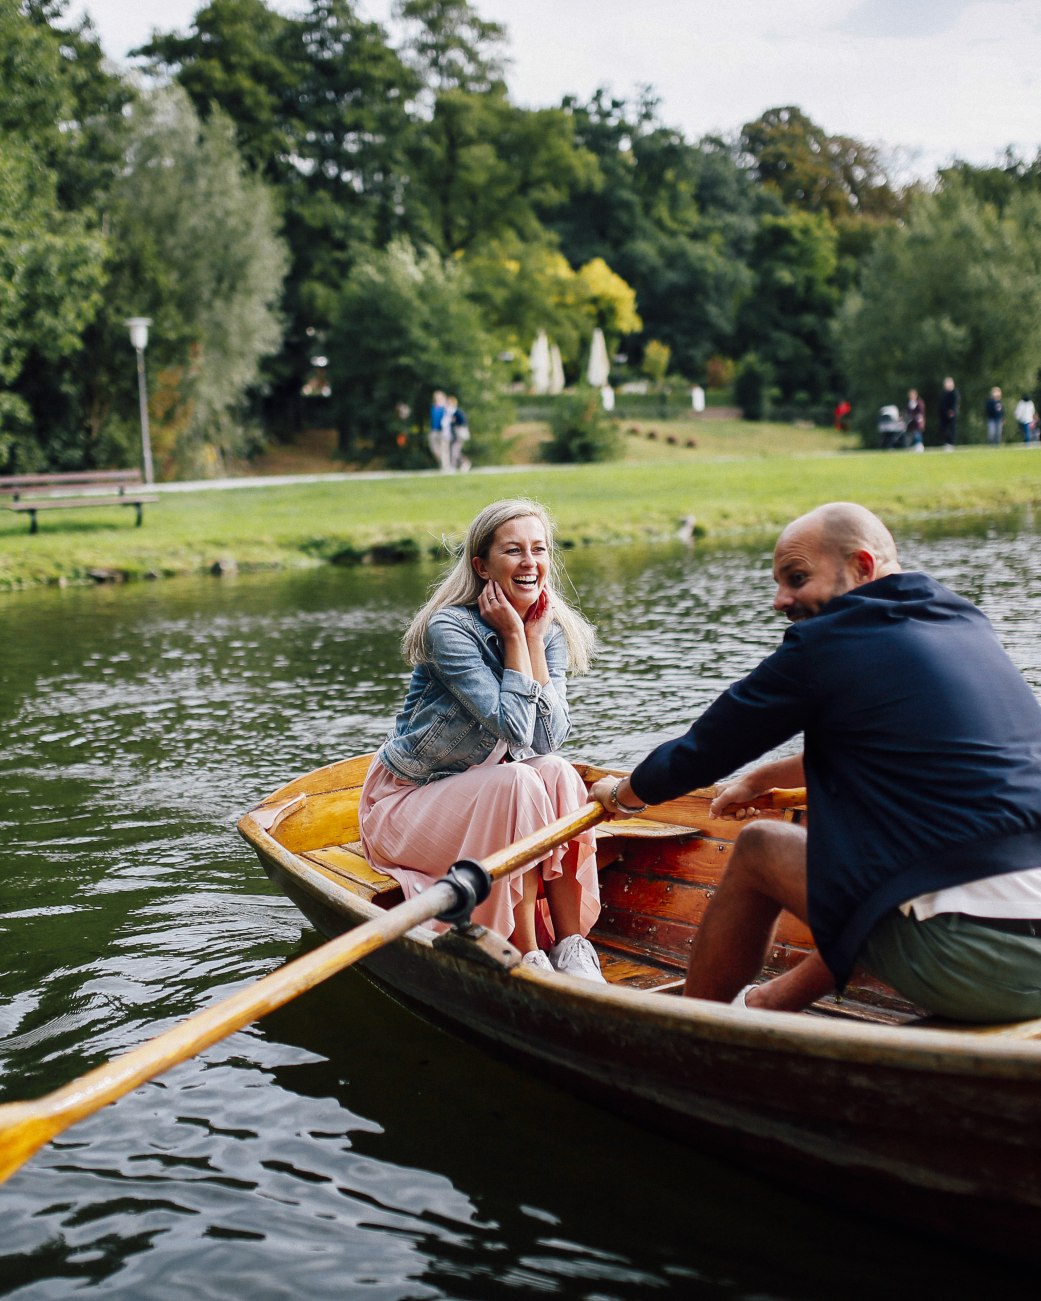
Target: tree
{"x": 59, "y": 96}
{"x": 450, "y": 47}
{"x": 486, "y": 169}
{"x": 237, "y": 57}
{"x": 523, "y": 286}
{"x": 954, "y": 291}
{"x": 674, "y": 219}
{"x": 788, "y": 318}
{"x": 817, "y": 172}
{"x": 320, "y": 103}
{"x": 195, "y": 248}
{"x": 57, "y": 111}
{"x": 51, "y": 282}
{"x": 404, "y": 325}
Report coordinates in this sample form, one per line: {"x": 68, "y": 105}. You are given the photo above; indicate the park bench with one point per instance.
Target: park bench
{"x": 31, "y": 493}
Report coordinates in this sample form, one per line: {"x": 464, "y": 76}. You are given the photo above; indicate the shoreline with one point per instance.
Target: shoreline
{"x": 381, "y": 517}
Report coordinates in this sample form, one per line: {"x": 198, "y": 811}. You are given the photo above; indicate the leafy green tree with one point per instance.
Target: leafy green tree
{"x": 450, "y": 46}
{"x": 57, "y": 113}
{"x": 817, "y": 172}
{"x": 788, "y": 318}
{"x": 523, "y": 286}
{"x": 956, "y": 290}
{"x": 59, "y": 96}
{"x": 486, "y": 169}
{"x": 51, "y": 282}
{"x": 404, "y": 326}
{"x": 237, "y": 57}
{"x": 195, "y": 248}
{"x": 674, "y": 219}
{"x": 320, "y": 102}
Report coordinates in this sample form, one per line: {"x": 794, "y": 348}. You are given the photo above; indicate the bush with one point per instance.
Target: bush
{"x": 753, "y": 387}
{"x": 581, "y": 432}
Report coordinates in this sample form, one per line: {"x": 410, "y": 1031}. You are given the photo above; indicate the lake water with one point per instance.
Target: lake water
{"x": 341, "y": 1148}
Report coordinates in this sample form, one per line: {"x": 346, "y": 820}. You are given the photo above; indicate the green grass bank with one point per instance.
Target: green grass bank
{"x": 745, "y": 483}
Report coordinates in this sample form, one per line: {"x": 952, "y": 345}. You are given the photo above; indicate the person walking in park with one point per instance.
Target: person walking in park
{"x": 922, "y": 762}
{"x": 948, "y": 414}
{"x": 1026, "y": 414}
{"x": 994, "y": 412}
{"x": 437, "y": 439}
{"x": 914, "y": 420}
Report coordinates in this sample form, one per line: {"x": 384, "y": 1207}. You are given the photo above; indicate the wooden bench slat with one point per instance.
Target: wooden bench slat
{"x": 75, "y": 503}
{"x": 73, "y": 478}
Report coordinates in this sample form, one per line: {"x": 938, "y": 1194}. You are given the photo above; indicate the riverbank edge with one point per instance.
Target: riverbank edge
{"x": 747, "y": 522}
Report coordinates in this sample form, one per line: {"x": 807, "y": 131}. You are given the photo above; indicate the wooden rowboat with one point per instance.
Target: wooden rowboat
{"x": 861, "y": 1099}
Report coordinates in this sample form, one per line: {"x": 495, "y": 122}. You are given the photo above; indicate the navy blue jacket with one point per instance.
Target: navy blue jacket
{"x": 922, "y": 751}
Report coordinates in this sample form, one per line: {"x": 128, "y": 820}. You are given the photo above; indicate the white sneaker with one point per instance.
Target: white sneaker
{"x": 537, "y": 959}
{"x": 575, "y": 956}
{"x": 740, "y": 999}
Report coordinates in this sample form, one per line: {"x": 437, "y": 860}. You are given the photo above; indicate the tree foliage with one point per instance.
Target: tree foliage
{"x": 954, "y": 291}
{"x": 817, "y": 172}
{"x": 405, "y": 325}
{"x": 51, "y": 282}
{"x": 196, "y": 250}
{"x": 398, "y": 159}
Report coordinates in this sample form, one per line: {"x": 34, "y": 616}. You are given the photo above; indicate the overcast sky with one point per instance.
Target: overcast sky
{"x": 929, "y": 80}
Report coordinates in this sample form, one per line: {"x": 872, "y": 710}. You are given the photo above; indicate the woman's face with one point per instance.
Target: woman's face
{"x": 518, "y": 560}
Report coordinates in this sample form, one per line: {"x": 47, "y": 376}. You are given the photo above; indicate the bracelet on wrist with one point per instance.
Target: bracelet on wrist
{"x": 624, "y": 808}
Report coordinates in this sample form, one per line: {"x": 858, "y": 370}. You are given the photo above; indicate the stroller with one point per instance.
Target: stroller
{"x": 892, "y": 431}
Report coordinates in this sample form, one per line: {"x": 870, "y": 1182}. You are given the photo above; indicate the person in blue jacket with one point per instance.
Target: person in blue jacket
{"x": 922, "y": 762}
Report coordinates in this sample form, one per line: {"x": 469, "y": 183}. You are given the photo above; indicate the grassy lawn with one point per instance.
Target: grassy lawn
{"x": 740, "y": 480}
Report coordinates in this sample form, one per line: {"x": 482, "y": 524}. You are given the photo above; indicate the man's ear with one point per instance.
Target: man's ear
{"x": 865, "y": 566}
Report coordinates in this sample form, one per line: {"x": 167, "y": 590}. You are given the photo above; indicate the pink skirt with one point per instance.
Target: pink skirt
{"x": 415, "y": 833}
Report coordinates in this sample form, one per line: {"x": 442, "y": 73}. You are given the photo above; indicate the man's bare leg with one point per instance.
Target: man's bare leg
{"x": 796, "y": 989}
{"x": 766, "y": 873}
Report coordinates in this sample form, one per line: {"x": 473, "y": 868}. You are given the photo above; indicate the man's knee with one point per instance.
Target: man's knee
{"x": 771, "y": 857}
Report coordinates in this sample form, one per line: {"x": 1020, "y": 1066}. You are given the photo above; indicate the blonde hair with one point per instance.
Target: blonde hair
{"x": 462, "y": 586}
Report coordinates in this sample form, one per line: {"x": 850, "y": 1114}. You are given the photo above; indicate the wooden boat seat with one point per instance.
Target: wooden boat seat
{"x": 347, "y": 865}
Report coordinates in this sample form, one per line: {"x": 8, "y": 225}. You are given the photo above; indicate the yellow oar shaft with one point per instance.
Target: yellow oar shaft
{"x": 26, "y": 1126}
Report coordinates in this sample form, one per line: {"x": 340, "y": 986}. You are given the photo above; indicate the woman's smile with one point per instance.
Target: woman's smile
{"x": 518, "y": 560}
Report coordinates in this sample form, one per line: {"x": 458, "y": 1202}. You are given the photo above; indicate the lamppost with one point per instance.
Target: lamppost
{"x": 138, "y": 327}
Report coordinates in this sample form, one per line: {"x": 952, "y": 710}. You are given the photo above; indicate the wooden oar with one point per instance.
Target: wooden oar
{"x": 781, "y": 797}
{"x": 26, "y": 1126}
{"x": 778, "y": 797}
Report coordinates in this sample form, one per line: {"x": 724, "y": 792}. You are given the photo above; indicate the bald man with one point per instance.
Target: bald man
{"x": 922, "y": 762}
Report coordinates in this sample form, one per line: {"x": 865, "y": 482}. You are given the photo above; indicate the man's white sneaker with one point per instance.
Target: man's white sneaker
{"x": 575, "y": 956}
{"x": 537, "y": 959}
{"x": 741, "y": 998}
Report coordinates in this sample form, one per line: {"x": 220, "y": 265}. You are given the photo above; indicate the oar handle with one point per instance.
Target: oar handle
{"x": 781, "y": 797}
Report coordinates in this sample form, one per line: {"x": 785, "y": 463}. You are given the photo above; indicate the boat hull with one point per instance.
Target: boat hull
{"x": 936, "y": 1128}
{"x": 931, "y": 1134}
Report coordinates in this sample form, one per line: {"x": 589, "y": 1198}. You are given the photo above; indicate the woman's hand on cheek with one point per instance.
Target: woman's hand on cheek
{"x": 496, "y": 611}
{"x": 538, "y": 619}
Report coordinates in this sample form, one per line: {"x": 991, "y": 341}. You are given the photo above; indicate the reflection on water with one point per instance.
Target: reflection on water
{"x": 341, "y": 1148}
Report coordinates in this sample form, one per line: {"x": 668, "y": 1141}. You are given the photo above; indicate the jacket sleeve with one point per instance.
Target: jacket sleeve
{"x": 511, "y": 707}
{"x": 749, "y": 719}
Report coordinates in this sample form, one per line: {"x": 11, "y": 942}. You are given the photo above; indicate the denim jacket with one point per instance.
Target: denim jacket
{"x": 462, "y": 701}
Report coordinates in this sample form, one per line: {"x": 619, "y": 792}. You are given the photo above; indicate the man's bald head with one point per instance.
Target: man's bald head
{"x": 845, "y": 528}
{"x": 826, "y": 553}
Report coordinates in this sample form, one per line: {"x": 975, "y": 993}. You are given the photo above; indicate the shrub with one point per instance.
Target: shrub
{"x": 753, "y": 387}
{"x": 581, "y": 431}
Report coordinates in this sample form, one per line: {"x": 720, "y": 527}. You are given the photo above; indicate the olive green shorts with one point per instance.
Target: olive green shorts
{"x": 956, "y": 967}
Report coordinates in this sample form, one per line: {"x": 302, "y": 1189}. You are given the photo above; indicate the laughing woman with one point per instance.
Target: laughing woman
{"x": 471, "y": 763}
